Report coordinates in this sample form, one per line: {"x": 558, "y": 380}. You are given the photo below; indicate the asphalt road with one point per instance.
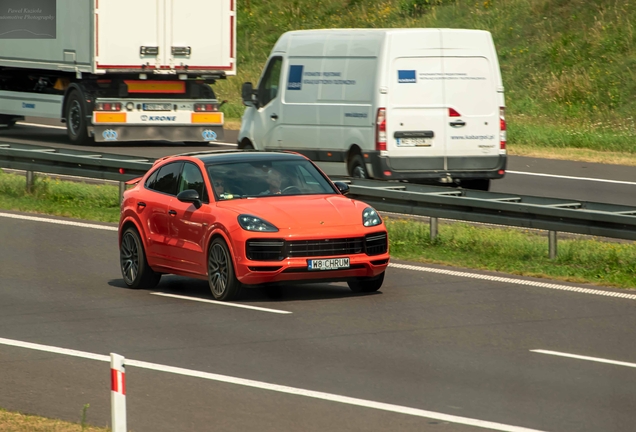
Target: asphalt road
{"x": 450, "y": 344}
{"x": 584, "y": 181}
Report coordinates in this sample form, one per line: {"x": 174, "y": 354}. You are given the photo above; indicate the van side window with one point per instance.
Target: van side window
{"x": 268, "y": 88}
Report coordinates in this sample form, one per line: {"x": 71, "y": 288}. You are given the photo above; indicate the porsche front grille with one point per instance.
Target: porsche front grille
{"x": 279, "y": 249}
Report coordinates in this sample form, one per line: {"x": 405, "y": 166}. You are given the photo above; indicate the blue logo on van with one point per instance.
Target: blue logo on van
{"x": 295, "y": 79}
{"x": 406, "y": 76}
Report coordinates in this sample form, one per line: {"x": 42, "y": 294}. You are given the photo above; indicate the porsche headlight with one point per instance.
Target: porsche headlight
{"x": 253, "y": 223}
{"x": 370, "y": 217}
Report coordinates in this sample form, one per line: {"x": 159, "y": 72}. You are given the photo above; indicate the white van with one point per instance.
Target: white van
{"x": 423, "y": 105}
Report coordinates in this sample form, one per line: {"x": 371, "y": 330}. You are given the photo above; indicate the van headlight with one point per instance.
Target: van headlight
{"x": 253, "y": 223}
{"x": 370, "y": 217}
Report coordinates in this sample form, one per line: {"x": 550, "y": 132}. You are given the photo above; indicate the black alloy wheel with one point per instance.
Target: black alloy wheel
{"x": 134, "y": 267}
{"x": 223, "y": 282}
{"x": 365, "y": 285}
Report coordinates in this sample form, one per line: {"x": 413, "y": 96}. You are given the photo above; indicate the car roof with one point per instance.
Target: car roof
{"x": 228, "y": 156}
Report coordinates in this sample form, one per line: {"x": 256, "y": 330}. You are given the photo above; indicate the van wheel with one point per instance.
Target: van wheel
{"x": 357, "y": 169}
{"x": 479, "y": 184}
{"x": 246, "y": 145}
{"x": 7, "y": 121}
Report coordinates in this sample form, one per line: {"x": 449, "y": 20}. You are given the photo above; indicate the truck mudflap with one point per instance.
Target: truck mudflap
{"x": 477, "y": 167}
{"x": 114, "y": 133}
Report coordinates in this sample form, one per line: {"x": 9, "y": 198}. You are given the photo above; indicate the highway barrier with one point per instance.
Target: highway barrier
{"x": 551, "y": 214}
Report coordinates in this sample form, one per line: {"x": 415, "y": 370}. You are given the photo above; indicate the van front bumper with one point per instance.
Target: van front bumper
{"x": 466, "y": 168}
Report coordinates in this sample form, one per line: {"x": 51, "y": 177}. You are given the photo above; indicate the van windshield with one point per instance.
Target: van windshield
{"x": 267, "y": 178}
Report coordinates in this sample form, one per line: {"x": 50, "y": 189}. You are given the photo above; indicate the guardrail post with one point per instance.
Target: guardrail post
{"x": 122, "y": 189}
{"x": 29, "y": 181}
{"x": 117, "y": 393}
{"x": 434, "y": 230}
{"x": 552, "y": 238}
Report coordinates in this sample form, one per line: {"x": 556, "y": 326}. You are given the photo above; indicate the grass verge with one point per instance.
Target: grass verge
{"x": 17, "y": 422}
{"x": 506, "y": 250}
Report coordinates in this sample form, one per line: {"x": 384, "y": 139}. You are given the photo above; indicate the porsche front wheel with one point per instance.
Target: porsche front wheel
{"x": 371, "y": 284}
{"x": 134, "y": 266}
{"x": 223, "y": 282}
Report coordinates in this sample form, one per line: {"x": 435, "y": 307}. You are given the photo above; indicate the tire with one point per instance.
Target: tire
{"x": 76, "y": 126}
{"x": 134, "y": 266}
{"x": 221, "y": 277}
{"x": 246, "y": 145}
{"x": 480, "y": 184}
{"x": 7, "y": 122}
{"x": 367, "y": 285}
{"x": 357, "y": 169}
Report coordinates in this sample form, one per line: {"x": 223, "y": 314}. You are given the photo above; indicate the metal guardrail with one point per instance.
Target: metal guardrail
{"x": 551, "y": 214}
{"x": 33, "y": 158}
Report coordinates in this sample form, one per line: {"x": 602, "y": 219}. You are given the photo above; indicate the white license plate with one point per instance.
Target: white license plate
{"x": 414, "y": 142}
{"x": 157, "y": 107}
{"x": 328, "y": 264}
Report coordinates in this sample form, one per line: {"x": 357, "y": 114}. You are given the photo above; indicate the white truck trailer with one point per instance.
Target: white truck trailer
{"x": 117, "y": 70}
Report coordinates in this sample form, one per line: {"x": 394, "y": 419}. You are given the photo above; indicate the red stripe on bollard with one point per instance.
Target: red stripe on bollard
{"x": 113, "y": 380}
{"x": 123, "y": 383}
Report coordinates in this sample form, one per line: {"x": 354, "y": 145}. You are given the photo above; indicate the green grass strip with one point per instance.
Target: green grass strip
{"x": 513, "y": 251}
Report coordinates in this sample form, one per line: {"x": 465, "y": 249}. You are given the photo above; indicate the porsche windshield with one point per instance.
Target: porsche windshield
{"x": 267, "y": 178}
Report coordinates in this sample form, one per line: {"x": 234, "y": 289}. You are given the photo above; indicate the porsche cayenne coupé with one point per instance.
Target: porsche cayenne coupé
{"x": 240, "y": 218}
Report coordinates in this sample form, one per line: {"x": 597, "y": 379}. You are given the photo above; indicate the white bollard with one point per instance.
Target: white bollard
{"x": 117, "y": 393}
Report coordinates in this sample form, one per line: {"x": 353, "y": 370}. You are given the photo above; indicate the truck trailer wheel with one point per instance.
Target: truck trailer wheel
{"x": 76, "y": 127}
{"x": 7, "y": 121}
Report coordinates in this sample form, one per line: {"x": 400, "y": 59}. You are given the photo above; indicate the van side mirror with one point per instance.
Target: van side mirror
{"x": 190, "y": 196}
{"x": 342, "y": 187}
{"x": 247, "y": 92}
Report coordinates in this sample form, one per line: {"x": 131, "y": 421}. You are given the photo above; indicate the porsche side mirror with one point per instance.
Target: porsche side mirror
{"x": 190, "y": 196}
{"x": 342, "y": 187}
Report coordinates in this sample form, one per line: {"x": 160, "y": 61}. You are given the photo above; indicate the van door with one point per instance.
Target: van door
{"x": 267, "y": 121}
{"x": 416, "y": 114}
{"x": 471, "y": 81}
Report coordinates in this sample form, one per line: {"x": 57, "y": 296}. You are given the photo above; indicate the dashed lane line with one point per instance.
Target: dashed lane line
{"x": 393, "y": 265}
{"x": 588, "y": 358}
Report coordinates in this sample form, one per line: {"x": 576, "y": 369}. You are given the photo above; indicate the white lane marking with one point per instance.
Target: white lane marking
{"x": 221, "y": 303}
{"x": 223, "y": 143}
{"x": 277, "y": 388}
{"x": 58, "y": 222}
{"x": 572, "y": 178}
{"x": 515, "y": 281}
{"x": 580, "y": 357}
{"x": 400, "y": 266}
{"x": 41, "y": 125}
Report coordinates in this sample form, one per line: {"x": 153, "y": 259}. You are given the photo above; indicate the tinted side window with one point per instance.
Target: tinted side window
{"x": 167, "y": 179}
{"x": 191, "y": 178}
{"x": 150, "y": 183}
{"x": 268, "y": 88}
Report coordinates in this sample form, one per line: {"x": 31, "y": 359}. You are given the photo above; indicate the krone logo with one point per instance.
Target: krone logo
{"x": 110, "y": 135}
{"x": 209, "y": 135}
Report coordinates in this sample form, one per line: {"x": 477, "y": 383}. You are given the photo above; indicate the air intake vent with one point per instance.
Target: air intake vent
{"x": 376, "y": 244}
{"x": 265, "y": 250}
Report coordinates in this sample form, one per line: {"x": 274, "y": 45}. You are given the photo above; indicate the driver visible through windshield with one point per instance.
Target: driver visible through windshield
{"x": 267, "y": 178}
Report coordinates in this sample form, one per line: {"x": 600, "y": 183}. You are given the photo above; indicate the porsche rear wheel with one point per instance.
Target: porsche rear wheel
{"x": 223, "y": 282}
{"x": 134, "y": 266}
{"x": 371, "y": 284}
